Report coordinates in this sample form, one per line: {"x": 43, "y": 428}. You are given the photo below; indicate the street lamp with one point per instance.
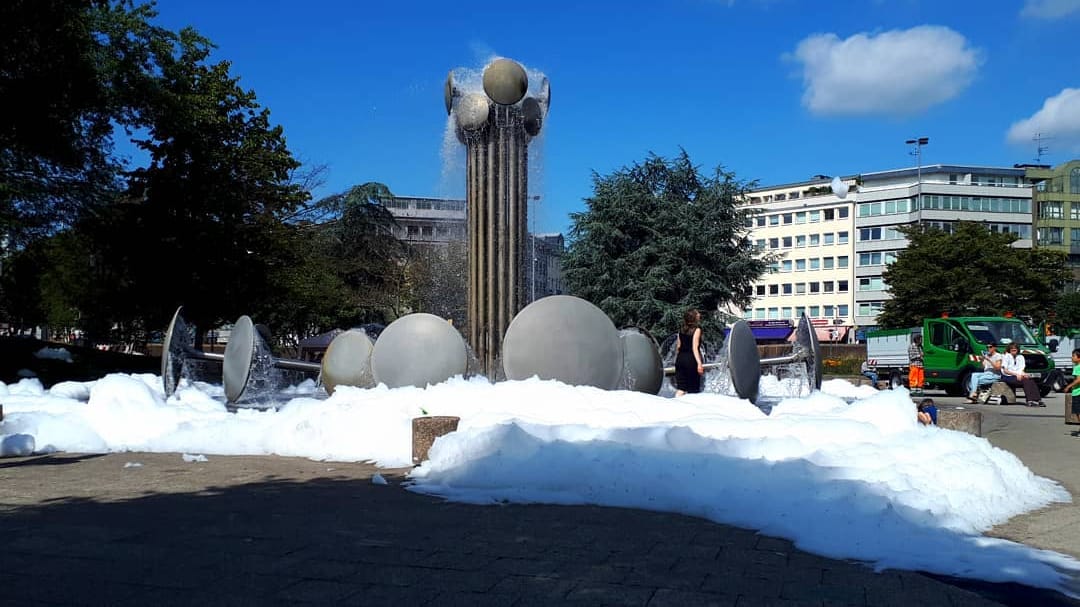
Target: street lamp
{"x": 917, "y": 153}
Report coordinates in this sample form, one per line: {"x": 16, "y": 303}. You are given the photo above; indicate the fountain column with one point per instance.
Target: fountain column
{"x": 496, "y": 125}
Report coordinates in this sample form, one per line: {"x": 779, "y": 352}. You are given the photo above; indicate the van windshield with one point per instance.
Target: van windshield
{"x": 1000, "y": 332}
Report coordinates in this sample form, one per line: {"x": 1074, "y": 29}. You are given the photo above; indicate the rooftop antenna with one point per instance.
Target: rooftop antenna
{"x": 1040, "y": 149}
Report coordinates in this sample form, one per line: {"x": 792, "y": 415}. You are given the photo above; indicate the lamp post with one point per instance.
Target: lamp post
{"x": 917, "y": 153}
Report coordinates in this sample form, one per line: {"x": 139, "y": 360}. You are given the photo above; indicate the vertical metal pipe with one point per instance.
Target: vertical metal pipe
{"x": 471, "y": 210}
{"x": 489, "y": 273}
{"x": 523, "y": 222}
{"x": 514, "y": 216}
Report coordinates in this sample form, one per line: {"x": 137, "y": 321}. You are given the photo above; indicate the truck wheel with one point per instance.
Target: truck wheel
{"x": 895, "y": 380}
{"x": 1044, "y": 390}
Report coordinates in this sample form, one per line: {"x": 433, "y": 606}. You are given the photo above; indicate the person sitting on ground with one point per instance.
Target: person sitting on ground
{"x": 991, "y": 362}
{"x": 926, "y": 412}
{"x": 1013, "y": 373}
{"x": 869, "y": 371}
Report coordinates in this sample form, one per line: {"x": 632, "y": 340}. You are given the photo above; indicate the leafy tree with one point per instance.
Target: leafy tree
{"x": 1067, "y": 312}
{"x": 660, "y": 237}
{"x": 970, "y": 272}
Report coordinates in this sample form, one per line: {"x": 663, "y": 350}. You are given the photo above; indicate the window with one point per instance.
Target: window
{"x": 774, "y": 220}
{"x": 774, "y": 243}
{"x": 1074, "y": 211}
{"x": 787, "y": 242}
{"x": 869, "y": 259}
{"x": 800, "y": 288}
{"x": 815, "y": 216}
{"x": 1050, "y": 235}
{"x": 774, "y": 313}
{"x": 1075, "y": 236}
{"x": 760, "y": 221}
{"x": 842, "y": 310}
{"x": 841, "y": 238}
{"x": 800, "y": 217}
{"x": 759, "y": 313}
{"x": 1074, "y": 181}
{"x": 800, "y": 265}
{"x": 799, "y": 311}
{"x": 774, "y": 289}
{"x": 815, "y": 311}
{"x": 828, "y": 262}
{"x": 786, "y": 313}
{"x": 787, "y": 288}
{"x": 761, "y": 290}
{"x": 870, "y": 308}
{"x": 1050, "y": 210}
{"x": 815, "y": 287}
{"x": 954, "y": 178}
{"x": 842, "y": 212}
{"x": 829, "y": 238}
{"x": 829, "y": 214}
{"x": 841, "y": 286}
{"x": 815, "y": 240}
{"x": 871, "y": 283}
{"x": 786, "y": 266}
{"x": 759, "y": 244}
{"x": 829, "y": 311}
{"x": 414, "y": 231}
{"x": 787, "y": 218}
{"x": 842, "y": 261}
{"x": 781, "y": 196}
{"x": 793, "y": 195}
{"x": 800, "y": 241}
{"x": 828, "y": 286}
{"x": 815, "y": 263}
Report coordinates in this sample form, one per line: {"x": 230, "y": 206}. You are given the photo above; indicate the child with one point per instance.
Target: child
{"x": 927, "y": 412}
{"x": 1074, "y": 387}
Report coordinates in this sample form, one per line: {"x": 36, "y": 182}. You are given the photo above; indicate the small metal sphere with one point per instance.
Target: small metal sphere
{"x": 347, "y": 361}
{"x": 449, "y": 92}
{"x": 472, "y": 111}
{"x": 505, "y": 81}
{"x": 564, "y": 338}
{"x": 641, "y": 357}
{"x": 418, "y": 350}
{"x": 533, "y": 116}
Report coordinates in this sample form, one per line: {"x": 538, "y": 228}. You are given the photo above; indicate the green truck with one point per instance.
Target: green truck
{"x": 952, "y": 350}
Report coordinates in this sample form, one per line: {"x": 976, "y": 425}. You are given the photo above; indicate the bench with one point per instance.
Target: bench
{"x": 999, "y": 392}
{"x": 959, "y": 418}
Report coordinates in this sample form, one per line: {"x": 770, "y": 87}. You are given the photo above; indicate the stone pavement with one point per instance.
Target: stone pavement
{"x": 97, "y": 530}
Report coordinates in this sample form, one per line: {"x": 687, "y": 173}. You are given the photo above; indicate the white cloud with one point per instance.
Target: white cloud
{"x": 1059, "y": 118}
{"x": 1049, "y": 9}
{"x": 898, "y": 72}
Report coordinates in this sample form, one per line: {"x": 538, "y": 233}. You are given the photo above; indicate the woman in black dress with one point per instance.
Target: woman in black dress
{"x": 688, "y": 365}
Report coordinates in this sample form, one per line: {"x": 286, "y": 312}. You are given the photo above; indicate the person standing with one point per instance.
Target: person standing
{"x": 915, "y": 365}
{"x": 688, "y": 364}
{"x": 1013, "y": 373}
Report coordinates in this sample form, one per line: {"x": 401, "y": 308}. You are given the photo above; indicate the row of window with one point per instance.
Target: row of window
{"x": 813, "y": 263}
{"x": 1055, "y": 235}
{"x": 978, "y": 204}
{"x": 870, "y": 308}
{"x": 878, "y": 258}
{"x": 802, "y": 288}
{"x": 802, "y": 240}
{"x": 799, "y": 217}
{"x": 839, "y": 311}
{"x": 1021, "y": 230}
{"x": 1052, "y": 209}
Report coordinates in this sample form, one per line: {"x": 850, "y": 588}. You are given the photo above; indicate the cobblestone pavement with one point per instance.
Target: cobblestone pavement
{"x": 101, "y": 530}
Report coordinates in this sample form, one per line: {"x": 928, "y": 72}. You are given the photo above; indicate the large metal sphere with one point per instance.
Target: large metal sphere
{"x": 418, "y": 350}
{"x": 505, "y": 81}
{"x": 564, "y": 338}
{"x": 641, "y": 358}
{"x": 472, "y": 111}
{"x": 744, "y": 361}
{"x": 239, "y": 354}
{"x": 347, "y": 361}
{"x": 533, "y": 116}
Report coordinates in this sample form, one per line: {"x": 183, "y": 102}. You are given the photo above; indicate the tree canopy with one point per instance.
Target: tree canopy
{"x": 660, "y": 237}
{"x": 969, "y": 272}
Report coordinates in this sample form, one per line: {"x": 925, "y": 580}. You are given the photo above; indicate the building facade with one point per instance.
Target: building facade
{"x": 811, "y": 228}
{"x": 1056, "y": 200}
{"x": 835, "y": 246}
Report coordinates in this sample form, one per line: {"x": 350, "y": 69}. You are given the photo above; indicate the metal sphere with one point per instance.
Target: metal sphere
{"x": 472, "y": 111}
{"x": 744, "y": 361}
{"x": 449, "y": 92}
{"x": 239, "y": 354}
{"x": 347, "y": 361}
{"x": 505, "y": 81}
{"x": 533, "y": 116}
{"x": 564, "y": 338}
{"x": 418, "y": 350}
{"x": 641, "y": 358}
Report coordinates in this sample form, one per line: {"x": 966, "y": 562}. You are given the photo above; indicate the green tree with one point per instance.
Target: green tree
{"x": 1067, "y": 312}
{"x": 660, "y": 237}
{"x": 971, "y": 271}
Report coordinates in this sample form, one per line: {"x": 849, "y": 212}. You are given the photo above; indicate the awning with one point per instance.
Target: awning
{"x": 767, "y": 333}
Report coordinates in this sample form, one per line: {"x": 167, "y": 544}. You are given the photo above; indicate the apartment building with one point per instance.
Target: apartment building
{"x": 812, "y": 229}
{"x": 1056, "y": 200}
{"x": 936, "y": 195}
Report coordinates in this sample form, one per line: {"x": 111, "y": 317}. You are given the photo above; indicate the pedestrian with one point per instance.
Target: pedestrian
{"x": 926, "y": 412}
{"x": 869, "y": 370}
{"x": 1073, "y": 388}
{"x": 1013, "y": 373}
{"x": 688, "y": 364}
{"x": 915, "y": 366}
{"x": 991, "y": 363}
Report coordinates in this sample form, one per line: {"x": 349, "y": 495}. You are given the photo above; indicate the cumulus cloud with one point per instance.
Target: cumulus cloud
{"x": 1058, "y": 118}
{"x": 1049, "y": 9}
{"x": 897, "y": 72}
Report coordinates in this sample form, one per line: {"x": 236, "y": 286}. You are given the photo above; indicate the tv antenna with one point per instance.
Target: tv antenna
{"x": 1040, "y": 149}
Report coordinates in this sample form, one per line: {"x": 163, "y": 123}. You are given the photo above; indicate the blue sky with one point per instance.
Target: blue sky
{"x": 775, "y": 90}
